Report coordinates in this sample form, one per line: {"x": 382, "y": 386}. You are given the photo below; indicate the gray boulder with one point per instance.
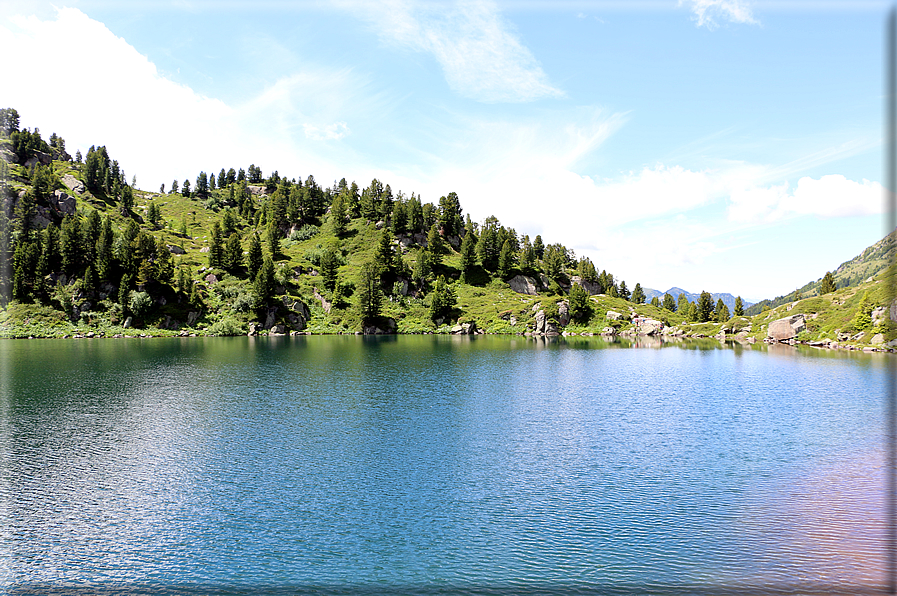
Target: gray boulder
{"x": 563, "y": 313}
{"x": 613, "y": 316}
{"x": 63, "y": 202}
{"x": 540, "y": 322}
{"x": 592, "y": 287}
{"x": 786, "y": 328}
{"x": 74, "y": 184}
{"x": 176, "y": 250}
{"x": 523, "y": 284}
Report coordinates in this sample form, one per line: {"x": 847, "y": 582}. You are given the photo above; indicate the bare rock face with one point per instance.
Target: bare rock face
{"x": 592, "y": 287}
{"x": 73, "y": 183}
{"x": 540, "y": 322}
{"x": 63, "y": 202}
{"x": 325, "y": 304}
{"x": 176, "y": 250}
{"x": 650, "y": 327}
{"x": 787, "y": 328}
{"x": 40, "y": 157}
{"x": 192, "y": 317}
{"x": 523, "y": 285}
{"x": 613, "y": 316}
{"x": 563, "y": 313}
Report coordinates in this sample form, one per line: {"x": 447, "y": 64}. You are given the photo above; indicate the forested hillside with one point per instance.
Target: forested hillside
{"x": 86, "y": 251}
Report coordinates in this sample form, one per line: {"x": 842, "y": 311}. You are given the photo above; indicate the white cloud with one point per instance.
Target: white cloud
{"x": 158, "y": 129}
{"x": 829, "y": 196}
{"x": 706, "y": 12}
{"x": 480, "y": 54}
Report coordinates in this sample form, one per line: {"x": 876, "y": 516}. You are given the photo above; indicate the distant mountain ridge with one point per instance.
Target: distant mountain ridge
{"x": 728, "y": 299}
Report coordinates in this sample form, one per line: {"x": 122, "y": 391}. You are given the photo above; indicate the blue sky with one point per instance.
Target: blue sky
{"x": 720, "y": 145}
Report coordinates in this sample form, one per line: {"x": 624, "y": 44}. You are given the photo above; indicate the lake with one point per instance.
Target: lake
{"x": 439, "y": 465}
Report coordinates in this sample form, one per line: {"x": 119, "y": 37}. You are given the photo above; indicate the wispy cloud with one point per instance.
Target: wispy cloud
{"x": 707, "y": 12}
{"x": 329, "y": 132}
{"x": 481, "y": 55}
{"x": 832, "y": 195}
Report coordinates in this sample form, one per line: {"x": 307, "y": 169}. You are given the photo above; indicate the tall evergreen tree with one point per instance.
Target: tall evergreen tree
{"x": 255, "y": 258}
{"x": 828, "y": 284}
{"x": 435, "y": 244}
{"x": 233, "y": 253}
{"x": 468, "y": 255}
{"x": 705, "y": 307}
{"x": 216, "y": 247}
{"x": 538, "y": 246}
{"x": 263, "y": 286}
{"x": 668, "y": 303}
{"x": 370, "y": 296}
{"x": 330, "y": 267}
{"x": 505, "y": 260}
{"x": 638, "y": 294}
{"x": 739, "y": 307}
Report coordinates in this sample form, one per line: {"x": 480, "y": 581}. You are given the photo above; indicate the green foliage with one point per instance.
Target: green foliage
{"x": 304, "y": 233}
{"x": 580, "y": 303}
{"x": 862, "y": 319}
{"x": 255, "y": 257}
{"x": 705, "y": 307}
{"x": 330, "y": 267}
{"x": 623, "y": 291}
{"x": 827, "y": 285}
{"x": 216, "y": 247}
{"x": 668, "y": 303}
{"x": 370, "y": 296}
{"x": 638, "y": 295}
{"x": 233, "y": 253}
{"x": 139, "y": 303}
{"x": 722, "y": 311}
{"x": 228, "y": 325}
{"x": 442, "y": 300}
{"x": 553, "y": 259}
{"x": 263, "y": 286}
{"x": 739, "y": 307}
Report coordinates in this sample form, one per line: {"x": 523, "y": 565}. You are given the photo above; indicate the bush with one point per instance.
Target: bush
{"x": 304, "y": 233}
{"x": 139, "y": 303}
{"x": 228, "y": 326}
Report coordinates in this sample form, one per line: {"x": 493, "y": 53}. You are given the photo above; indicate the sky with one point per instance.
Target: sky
{"x": 719, "y": 145}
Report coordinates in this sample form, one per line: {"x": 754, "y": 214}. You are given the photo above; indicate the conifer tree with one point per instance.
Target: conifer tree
{"x": 638, "y": 295}
{"x": 505, "y": 260}
{"x": 442, "y": 299}
{"x": 655, "y": 301}
{"x": 233, "y": 253}
{"x": 739, "y": 307}
{"x": 538, "y": 246}
{"x": 338, "y": 213}
{"x": 263, "y": 286}
{"x": 828, "y": 284}
{"x": 435, "y": 245}
{"x": 862, "y": 319}
{"x": 330, "y": 267}
{"x": 216, "y": 248}
{"x": 722, "y": 311}
{"x": 623, "y": 291}
{"x": 255, "y": 258}
{"x": 423, "y": 267}
{"x": 580, "y": 304}
{"x": 668, "y": 303}
{"x": 682, "y": 303}
{"x": 705, "y": 307}
{"x": 370, "y": 297}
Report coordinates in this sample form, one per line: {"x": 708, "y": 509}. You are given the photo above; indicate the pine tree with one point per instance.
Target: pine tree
{"x": 216, "y": 248}
{"x": 505, "y": 260}
{"x": 233, "y": 253}
{"x": 655, "y": 301}
{"x": 370, "y": 297}
{"x": 423, "y": 267}
{"x": 330, "y": 267}
{"x": 682, "y": 303}
{"x": 338, "y": 213}
{"x": 435, "y": 245}
{"x": 623, "y": 291}
{"x": 255, "y": 258}
{"x": 580, "y": 304}
{"x": 739, "y": 307}
{"x": 722, "y": 311}
{"x": 828, "y": 283}
{"x": 638, "y": 295}
{"x": 442, "y": 300}
{"x": 862, "y": 319}
{"x": 538, "y": 247}
{"x": 263, "y": 286}
{"x": 668, "y": 303}
{"x": 273, "y": 240}
{"x": 705, "y": 307}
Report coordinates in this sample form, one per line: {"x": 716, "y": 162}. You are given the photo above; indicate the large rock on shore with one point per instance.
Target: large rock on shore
{"x": 787, "y": 328}
{"x": 523, "y": 284}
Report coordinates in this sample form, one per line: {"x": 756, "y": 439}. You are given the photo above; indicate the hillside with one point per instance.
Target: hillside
{"x": 89, "y": 254}
{"x": 862, "y": 267}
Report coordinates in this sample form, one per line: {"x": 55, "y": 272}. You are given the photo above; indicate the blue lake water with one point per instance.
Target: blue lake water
{"x": 442, "y": 465}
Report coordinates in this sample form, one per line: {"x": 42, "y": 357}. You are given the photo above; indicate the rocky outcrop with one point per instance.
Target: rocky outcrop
{"x": 650, "y": 327}
{"x": 613, "y": 316}
{"x": 63, "y": 203}
{"x": 388, "y": 327}
{"x": 544, "y": 325}
{"x": 465, "y": 329}
{"x": 176, "y": 250}
{"x": 325, "y": 304}
{"x": 787, "y": 328}
{"x": 523, "y": 284}
{"x": 564, "y": 313}
{"x": 39, "y": 157}
{"x": 592, "y": 287}
{"x": 74, "y": 184}
{"x": 255, "y": 190}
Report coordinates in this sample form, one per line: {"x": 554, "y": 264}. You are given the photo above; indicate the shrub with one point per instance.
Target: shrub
{"x": 304, "y": 233}
{"x": 228, "y": 326}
